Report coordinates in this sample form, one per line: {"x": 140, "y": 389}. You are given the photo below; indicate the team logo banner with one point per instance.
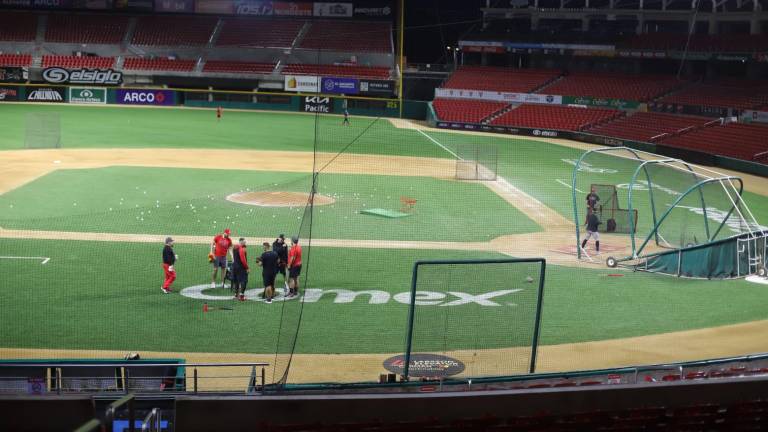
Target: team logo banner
{"x": 57, "y": 75}
{"x": 340, "y": 85}
{"x": 146, "y": 97}
{"x": 333, "y": 10}
{"x": 377, "y": 87}
{"x": 252, "y": 7}
{"x": 46, "y": 94}
{"x": 281, "y": 8}
{"x": 90, "y": 96}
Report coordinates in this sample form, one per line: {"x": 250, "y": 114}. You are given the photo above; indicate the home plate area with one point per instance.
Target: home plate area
{"x": 571, "y": 249}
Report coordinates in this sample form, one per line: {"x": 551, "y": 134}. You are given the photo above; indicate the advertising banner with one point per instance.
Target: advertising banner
{"x": 14, "y": 74}
{"x": 302, "y": 83}
{"x": 9, "y": 94}
{"x": 89, "y": 96}
{"x": 600, "y": 102}
{"x": 316, "y": 104}
{"x": 93, "y": 4}
{"x": 57, "y": 75}
{"x": 747, "y": 116}
{"x": 284, "y": 8}
{"x": 185, "y": 6}
{"x": 223, "y": 7}
{"x": 377, "y": 87}
{"x": 333, "y": 10}
{"x": 146, "y": 97}
{"x": 37, "y": 4}
{"x": 46, "y": 94}
{"x": 137, "y": 5}
{"x": 253, "y": 7}
{"x": 374, "y": 9}
{"x": 499, "y": 96}
{"x": 339, "y": 85}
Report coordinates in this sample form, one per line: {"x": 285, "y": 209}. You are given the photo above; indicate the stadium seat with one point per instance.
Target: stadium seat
{"x": 737, "y": 140}
{"x": 86, "y": 29}
{"x": 166, "y": 30}
{"x": 465, "y": 111}
{"x": 628, "y": 87}
{"x": 337, "y": 71}
{"x": 18, "y": 60}
{"x": 238, "y": 67}
{"x": 500, "y": 79}
{"x": 159, "y": 64}
{"x": 553, "y": 117}
{"x": 75, "y": 62}
{"x": 740, "y": 94}
{"x": 17, "y": 26}
{"x": 349, "y": 36}
{"x": 259, "y": 33}
{"x": 644, "y": 126}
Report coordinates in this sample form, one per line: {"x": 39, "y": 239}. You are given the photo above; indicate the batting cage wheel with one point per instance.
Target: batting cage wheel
{"x": 762, "y": 272}
{"x": 611, "y": 262}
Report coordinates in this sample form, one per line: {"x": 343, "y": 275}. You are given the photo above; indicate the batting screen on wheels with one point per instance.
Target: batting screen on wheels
{"x": 43, "y": 130}
{"x": 486, "y": 323}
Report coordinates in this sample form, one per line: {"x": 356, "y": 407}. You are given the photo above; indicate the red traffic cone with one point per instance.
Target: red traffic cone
{"x": 205, "y": 307}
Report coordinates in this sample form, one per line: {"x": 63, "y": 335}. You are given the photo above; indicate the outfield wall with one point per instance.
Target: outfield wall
{"x": 309, "y": 103}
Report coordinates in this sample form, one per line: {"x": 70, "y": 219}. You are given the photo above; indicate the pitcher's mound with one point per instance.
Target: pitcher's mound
{"x": 278, "y": 199}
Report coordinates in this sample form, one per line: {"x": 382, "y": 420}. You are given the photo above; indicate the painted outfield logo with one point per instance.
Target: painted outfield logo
{"x": 372, "y": 297}
{"x": 586, "y": 167}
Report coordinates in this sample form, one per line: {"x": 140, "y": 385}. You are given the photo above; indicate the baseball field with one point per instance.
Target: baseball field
{"x": 82, "y": 229}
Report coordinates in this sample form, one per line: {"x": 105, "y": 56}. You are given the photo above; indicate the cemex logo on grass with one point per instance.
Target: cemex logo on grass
{"x": 57, "y": 75}
{"x": 377, "y": 297}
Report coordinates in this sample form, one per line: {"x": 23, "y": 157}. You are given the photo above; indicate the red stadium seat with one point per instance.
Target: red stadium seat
{"x": 553, "y": 117}
{"x": 500, "y": 79}
{"x": 736, "y": 140}
{"x": 337, "y": 71}
{"x": 740, "y": 94}
{"x": 643, "y": 126}
{"x": 159, "y": 64}
{"x": 465, "y": 111}
{"x": 238, "y": 67}
{"x": 259, "y": 33}
{"x": 166, "y": 30}
{"x": 86, "y": 29}
{"x": 628, "y": 87}
{"x": 75, "y": 62}
{"x": 18, "y": 27}
{"x": 18, "y": 60}
{"x": 349, "y": 36}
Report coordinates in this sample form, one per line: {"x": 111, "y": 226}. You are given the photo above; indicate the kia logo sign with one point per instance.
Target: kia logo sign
{"x": 57, "y": 75}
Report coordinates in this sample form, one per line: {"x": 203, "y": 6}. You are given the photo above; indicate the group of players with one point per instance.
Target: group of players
{"x": 275, "y": 259}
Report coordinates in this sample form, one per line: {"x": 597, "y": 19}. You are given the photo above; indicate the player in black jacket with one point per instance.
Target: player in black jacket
{"x": 268, "y": 263}
{"x": 592, "y": 226}
{"x": 169, "y": 259}
{"x": 281, "y": 249}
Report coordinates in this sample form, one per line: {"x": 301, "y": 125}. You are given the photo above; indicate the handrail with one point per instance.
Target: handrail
{"x": 91, "y": 425}
{"x": 152, "y": 422}
{"x": 761, "y": 155}
{"x": 113, "y": 407}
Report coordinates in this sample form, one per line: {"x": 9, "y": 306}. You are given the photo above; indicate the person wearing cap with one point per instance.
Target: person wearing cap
{"x": 281, "y": 249}
{"x": 220, "y": 248}
{"x": 169, "y": 259}
{"x": 268, "y": 263}
{"x": 240, "y": 269}
{"x": 294, "y": 267}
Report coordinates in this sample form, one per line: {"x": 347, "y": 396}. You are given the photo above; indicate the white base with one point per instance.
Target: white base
{"x": 757, "y": 279}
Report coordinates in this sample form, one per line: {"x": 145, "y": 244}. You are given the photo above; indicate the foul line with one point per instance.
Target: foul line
{"x": 436, "y": 142}
{"x": 44, "y": 259}
{"x": 568, "y": 186}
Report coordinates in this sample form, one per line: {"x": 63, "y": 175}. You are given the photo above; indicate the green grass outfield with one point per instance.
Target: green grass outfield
{"x": 95, "y": 295}
{"x": 102, "y": 295}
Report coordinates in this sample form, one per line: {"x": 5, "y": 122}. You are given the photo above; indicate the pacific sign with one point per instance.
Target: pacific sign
{"x": 375, "y": 297}
{"x": 57, "y": 75}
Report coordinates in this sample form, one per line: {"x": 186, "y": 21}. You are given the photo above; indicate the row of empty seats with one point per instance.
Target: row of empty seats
{"x": 740, "y": 94}
{"x": 259, "y": 32}
{"x": 348, "y": 36}
{"x": 500, "y": 79}
{"x": 698, "y": 43}
{"x": 159, "y": 64}
{"x": 630, "y": 87}
{"x": 174, "y": 30}
{"x": 86, "y": 29}
{"x": 553, "y": 117}
{"x": 75, "y": 62}
{"x": 17, "y": 60}
{"x": 17, "y": 27}
{"x": 737, "y": 140}
{"x": 643, "y": 126}
{"x": 465, "y": 111}
{"x": 238, "y": 67}
{"x": 337, "y": 71}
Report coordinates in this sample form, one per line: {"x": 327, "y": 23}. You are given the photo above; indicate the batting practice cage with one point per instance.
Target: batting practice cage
{"x": 672, "y": 217}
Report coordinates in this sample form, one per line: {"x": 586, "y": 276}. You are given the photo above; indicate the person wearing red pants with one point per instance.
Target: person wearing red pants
{"x": 169, "y": 259}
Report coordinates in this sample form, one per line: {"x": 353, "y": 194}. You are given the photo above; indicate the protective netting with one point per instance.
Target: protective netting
{"x": 485, "y": 314}
{"x": 43, "y": 130}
